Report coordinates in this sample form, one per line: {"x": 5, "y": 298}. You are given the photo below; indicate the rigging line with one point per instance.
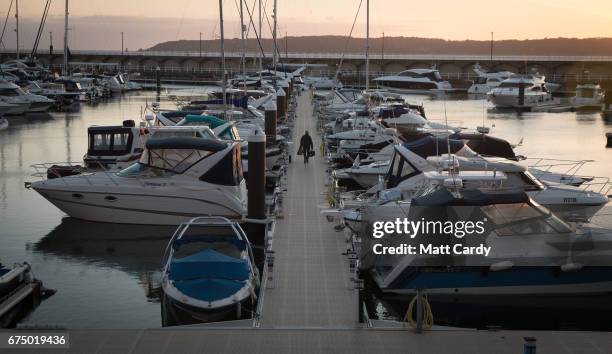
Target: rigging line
{"x": 346, "y": 44}
{"x": 274, "y": 44}
{"x": 180, "y": 27}
{"x": 5, "y": 22}
{"x": 257, "y": 35}
{"x": 41, "y": 28}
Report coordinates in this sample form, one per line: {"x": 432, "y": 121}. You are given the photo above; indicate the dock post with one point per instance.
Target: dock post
{"x": 270, "y": 121}
{"x": 360, "y": 296}
{"x": 158, "y": 79}
{"x": 285, "y": 87}
{"x": 530, "y": 345}
{"x": 521, "y": 95}
{"x": 256, "y": 184}
{"x": 280, "y": 104}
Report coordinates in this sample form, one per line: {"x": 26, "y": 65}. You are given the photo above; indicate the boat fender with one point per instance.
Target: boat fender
{"x": 500, "y": 266}
{"x": 571, "y": 267}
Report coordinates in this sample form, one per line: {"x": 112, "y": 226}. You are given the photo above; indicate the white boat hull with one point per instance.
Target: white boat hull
{"x": 132, "y": 208}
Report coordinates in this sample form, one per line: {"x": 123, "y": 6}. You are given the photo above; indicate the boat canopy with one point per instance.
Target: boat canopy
{"x": 434, "y": 146}
{"x": 186, "y": 143}
{"x": 487, "y": 145}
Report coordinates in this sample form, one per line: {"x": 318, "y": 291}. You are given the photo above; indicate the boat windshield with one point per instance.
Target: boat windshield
{"x": 197, "y": 238}
{"x": 139, "y": 170}
{"x": 175, "y": 160}
{"x": 523, "y": 219}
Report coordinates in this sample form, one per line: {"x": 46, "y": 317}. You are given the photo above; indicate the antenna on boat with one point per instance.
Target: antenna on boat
{"x": 367, "y": 51}
{"x": 243, "y": 58}
{"x": 224, "y": 79}
{"x": 451, "y": 166}
{"x": 66, "y": 71}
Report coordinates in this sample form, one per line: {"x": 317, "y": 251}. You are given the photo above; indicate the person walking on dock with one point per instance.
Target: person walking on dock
{"x": 306, "y": 146}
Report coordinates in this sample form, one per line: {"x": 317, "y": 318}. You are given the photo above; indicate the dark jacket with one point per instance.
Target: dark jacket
{"x": 306, "y": 142}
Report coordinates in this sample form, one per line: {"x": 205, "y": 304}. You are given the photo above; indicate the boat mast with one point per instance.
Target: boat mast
{"x": 367, "y": 53}
{"x": 17, "y": 26}
{"x": 224, "y": 79}
{"x": 491, "y": 59}
{"x": 274, "y": 46}
{"x": 260, "y": 37}
{"x": 243, "y": 59}
{"x": 66, "y": 71}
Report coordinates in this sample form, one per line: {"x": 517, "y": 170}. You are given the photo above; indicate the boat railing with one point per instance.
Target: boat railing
{"x": 569, "y": 168}
{"x": 601, "y": 185}
{"x": 45, "y": 168}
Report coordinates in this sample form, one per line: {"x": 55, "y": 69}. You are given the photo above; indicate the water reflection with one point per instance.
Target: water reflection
{"x": 134, "y": 249}
{"x": 131, "y": 248}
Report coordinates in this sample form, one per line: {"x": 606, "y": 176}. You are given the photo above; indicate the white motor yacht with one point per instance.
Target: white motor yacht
{"x": 414, "y": 81}
{"x": 12, "y": 108}
{"x": 175, "y": 179}
{"x": 487, "y": 80}
{"x": 521, "y": 91}
{"x": 588, "y": 96}
{"x": 13, "y": 94}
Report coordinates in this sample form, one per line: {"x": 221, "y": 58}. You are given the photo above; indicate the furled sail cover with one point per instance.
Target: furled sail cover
{"x": 209, "y": 275}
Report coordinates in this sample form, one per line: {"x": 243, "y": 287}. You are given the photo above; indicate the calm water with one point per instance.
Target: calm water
{"x": 106, "y": 276}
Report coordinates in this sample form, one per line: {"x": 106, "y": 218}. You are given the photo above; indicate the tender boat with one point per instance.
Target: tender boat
{"x": 414, "y": 81}
{"x": 487, "y": 80}
{"x": 209, "y": 273}
{"x": 588, "y": 97}
{"x": 4, "y": 124}
{"x": 174, "y": 180}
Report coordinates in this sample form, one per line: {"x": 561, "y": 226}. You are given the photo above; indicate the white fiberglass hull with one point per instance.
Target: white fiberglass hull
{"x": 143, "y": 205}
{"x": 512, "y": 101}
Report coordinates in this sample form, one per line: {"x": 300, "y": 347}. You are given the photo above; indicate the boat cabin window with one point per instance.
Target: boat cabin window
{"x": 480, "y": 81}
{"x": 409, "y": 74}
{"x": 523, "y": 219}
{"x": 10, "y": 92}
{"x": 399, "y": 170}
{"x": 433, "y": 76}
{"x": 586, "y": 93}
{"x": 110, "y": 143}
{"x": 510, "y": 85}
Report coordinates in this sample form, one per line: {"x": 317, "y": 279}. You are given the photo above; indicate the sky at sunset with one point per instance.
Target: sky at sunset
{"x": 97, "y": 24}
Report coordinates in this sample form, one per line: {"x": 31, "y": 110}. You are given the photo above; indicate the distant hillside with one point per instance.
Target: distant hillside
{"x": 409, "y": 45}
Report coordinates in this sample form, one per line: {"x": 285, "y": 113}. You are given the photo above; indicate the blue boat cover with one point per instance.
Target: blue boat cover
{"x": 209, "y": 289}
{"x": 208, "y": 264}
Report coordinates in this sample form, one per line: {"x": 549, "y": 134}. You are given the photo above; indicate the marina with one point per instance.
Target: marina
{"x": 272, "y": 205}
